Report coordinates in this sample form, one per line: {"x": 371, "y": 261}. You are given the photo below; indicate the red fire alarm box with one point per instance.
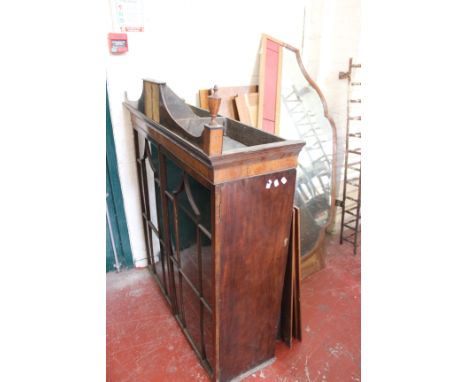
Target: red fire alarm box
{"x": 118, "y": 42}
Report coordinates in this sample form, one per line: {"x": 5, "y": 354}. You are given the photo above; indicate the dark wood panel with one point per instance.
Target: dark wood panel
{"x": 296, "y": 239}
{"x": 254, "y": 225}
{"x": 287, "y": 301}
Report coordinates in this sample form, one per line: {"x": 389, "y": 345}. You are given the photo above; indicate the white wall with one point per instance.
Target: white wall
{"x": 191, "y": 45}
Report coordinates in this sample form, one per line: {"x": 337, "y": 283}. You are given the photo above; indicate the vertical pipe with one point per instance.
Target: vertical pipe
{"x": 117, "y": 264}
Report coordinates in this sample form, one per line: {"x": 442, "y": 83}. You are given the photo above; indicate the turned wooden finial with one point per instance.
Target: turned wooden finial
{"x": 214, "y": 101}
{"x": 212, "y": 138}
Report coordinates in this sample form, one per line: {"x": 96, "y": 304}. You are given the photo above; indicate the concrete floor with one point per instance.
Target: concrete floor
{"x": 144, "y": 342}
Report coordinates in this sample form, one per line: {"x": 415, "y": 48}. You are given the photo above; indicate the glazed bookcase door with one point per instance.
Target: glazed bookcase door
{"x": 189, "y": 218}
{"x": 149, "y": 178}
{"x": 176, "y": 212}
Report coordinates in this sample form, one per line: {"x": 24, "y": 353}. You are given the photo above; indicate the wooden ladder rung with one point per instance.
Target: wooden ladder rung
{"x": 350, "y": 227}
{"x": 350, "y": 213}
{"x": 350, "y": 236}
{"x": 348, "y": 240}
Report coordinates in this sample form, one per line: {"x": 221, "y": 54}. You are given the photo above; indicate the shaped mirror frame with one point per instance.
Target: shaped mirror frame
{"x": 292, "y": 106}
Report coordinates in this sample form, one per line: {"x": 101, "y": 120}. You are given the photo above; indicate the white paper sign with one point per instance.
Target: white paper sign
{"x": 129, "y": 15}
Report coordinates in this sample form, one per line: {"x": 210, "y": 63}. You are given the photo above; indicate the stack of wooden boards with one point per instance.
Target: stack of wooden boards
{"x": 237, "y": 102}
{"x": 290, "y": 322}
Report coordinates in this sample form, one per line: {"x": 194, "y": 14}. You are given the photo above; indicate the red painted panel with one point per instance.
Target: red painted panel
{"x": 268, "y": 126}
{"x": 270, "y": 86}
{"x": 272, "y": 45}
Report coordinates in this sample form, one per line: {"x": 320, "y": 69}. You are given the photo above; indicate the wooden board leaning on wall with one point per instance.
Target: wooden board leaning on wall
{"x": 290, "y": 323}
{"x": 247, "y": 107}
{"x": 228, "y": 99}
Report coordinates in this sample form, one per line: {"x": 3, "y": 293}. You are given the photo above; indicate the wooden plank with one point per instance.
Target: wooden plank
{"x": 295, "y": 247}
{"x": 269, "y": 85}
{"x": 227, "y": 94}
{"x": 148, "y": 96}
{"x": 203, "y": 95}
{"x": 294, "y": 275}
{"x": 294, "y": 272}
{"x": 297, "y": 277}
{"x": 261, "y": 82}
{"x": 287, "y": 316}
{"x": 278, "y": 91}
{"x": 155, "y": 102}
{"x": 247, "y": 108}
{"x": 243, "y": 109}
{"x": 253, "y": 107}
{"x": 290, "y": 319}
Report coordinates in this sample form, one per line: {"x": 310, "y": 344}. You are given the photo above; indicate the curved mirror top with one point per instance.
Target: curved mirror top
{"x": 302, "y": 117}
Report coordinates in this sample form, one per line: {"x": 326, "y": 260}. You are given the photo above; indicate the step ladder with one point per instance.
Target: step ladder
{"x": 351, "y": 202}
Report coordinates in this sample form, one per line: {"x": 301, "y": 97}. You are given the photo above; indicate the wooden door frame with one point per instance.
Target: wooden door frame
{"x": 116, "y": 207}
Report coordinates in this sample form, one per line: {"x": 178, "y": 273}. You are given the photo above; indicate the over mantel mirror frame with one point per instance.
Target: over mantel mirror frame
{"x": 269, "y": 117}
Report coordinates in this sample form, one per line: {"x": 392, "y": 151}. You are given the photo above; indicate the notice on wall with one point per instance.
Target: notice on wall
{"x": 129, "y": 15}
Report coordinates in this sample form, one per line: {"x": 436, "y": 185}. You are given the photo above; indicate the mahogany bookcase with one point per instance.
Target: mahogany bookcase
{"x": 216, "y": 200}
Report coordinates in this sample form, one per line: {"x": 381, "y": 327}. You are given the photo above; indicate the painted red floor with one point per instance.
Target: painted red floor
{"x": 144, "y": 342}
